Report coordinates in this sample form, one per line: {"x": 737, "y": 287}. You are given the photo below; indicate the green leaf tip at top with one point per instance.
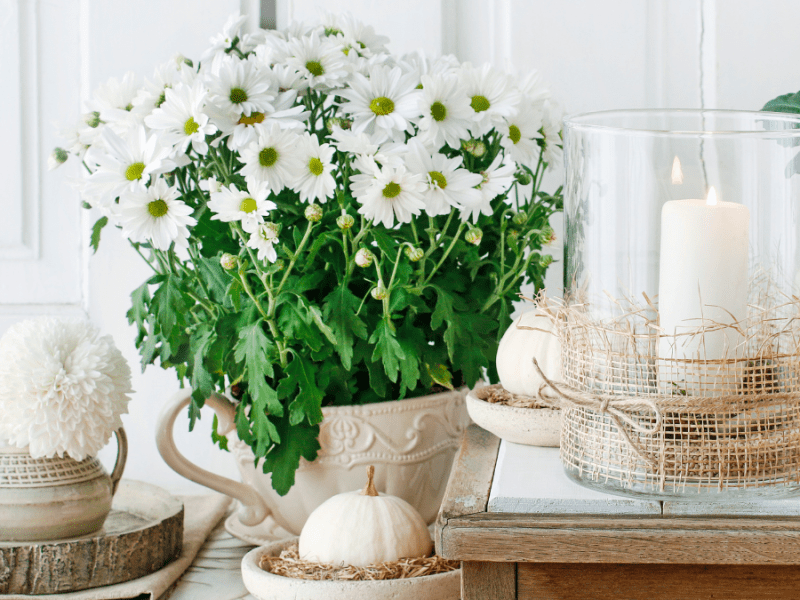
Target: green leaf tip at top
{"x": 787, "y": 103}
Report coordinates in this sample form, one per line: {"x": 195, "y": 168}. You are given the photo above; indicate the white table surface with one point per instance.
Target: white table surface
{"x": 528, "y": 479}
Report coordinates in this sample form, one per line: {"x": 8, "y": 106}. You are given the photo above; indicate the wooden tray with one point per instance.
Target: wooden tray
{"x": 143, "y": 532}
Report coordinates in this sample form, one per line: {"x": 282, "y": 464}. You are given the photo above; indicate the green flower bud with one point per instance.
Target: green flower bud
{"x": 414, "y": 254}
{"x": 279, "y": 265}
{"x": 345, "y": 221}
{"x": 546, "y": 261}
{"x": 273, "y": 228}
{"x": 520, "y": 218}
{"x": 364, "y": 258}
{"x": 379, "y": 292}
{"x": 523, "y": 177}
{"x": 228, "y": 261}
{"x": 474, "y": 147}
{"x": 57, "y": 158}
{"x": 313, "y": 213}
{"x": 474, "y": 236}
{"x": 92, "y": 119}
{"x": 548, "y": 236}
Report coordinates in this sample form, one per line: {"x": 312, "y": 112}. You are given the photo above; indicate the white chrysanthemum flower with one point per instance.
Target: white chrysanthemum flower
{"x": 319, "y": 60}
{"x": 533, "y": 88}
{"x": 113, "y": 100}
{"x": 356, "y": 143}
{"x": 249, "y": 206}
{"x": 289, "y": 78}
{"x": 167, "y": 75}
{"x": 388, "y": 194}
{"x": 361, "y": 37}
{"x": 264, "y": 239}
{"x": 271, "y": 158}
{"x": 223, "y": 40}
{"x": 313, "y": 178}
{"x": 63, "y": 387}
{"x": 125, "y": 164}
{"x": 156, "y": 215}
{"x": 553, "y": 150}
{"x": 446, "y": 113}
{"x": 521, "y": 134}
{"x": 497, "y": 179}
{"x": 447, "y": 185}
{"x": 384, "y": 104}
{"x": 491, "y": 96}
{"x": 418, "y": 62}
{"x": 182, "y": 120}
{"x": 210, "y": 185}
{"x": 241, "y": 86}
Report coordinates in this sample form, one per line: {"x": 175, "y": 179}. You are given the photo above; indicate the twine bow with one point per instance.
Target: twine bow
{"x": 616, "y": 407}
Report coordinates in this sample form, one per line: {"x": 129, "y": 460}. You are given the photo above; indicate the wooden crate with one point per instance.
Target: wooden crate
{"x": 678, "y": 551}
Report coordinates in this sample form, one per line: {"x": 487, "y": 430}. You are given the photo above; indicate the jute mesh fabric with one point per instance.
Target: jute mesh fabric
{"x": 678, "y": 425}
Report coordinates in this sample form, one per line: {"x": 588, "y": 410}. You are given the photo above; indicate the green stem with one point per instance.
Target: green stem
{"x": 446, "y": 253}
{"x": 295, "y": 256}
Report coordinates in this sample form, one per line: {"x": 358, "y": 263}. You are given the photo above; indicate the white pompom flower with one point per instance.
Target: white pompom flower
{"x": 63, "y": 387}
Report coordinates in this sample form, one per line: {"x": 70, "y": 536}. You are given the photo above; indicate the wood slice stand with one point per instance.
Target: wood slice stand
{"x": 143, "y": 532}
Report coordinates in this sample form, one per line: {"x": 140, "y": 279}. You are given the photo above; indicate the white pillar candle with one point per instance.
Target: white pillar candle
{"x": 703, "y": 282}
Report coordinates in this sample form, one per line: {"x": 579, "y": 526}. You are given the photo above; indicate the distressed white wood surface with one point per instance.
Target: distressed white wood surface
{"x": 768, "y": 508}
{"x": 529, "y": 479}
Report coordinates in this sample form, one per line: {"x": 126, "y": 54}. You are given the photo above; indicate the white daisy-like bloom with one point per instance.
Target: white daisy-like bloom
{"x": 446, "y": 112}
{"x": 63, "y": 387}
{"x": 553, "y": 151}
{"x": 313, "y": 177}
{"x": 264, "y": 239}
{"x": 497, "y": 179}
{"x": 241, "y": 86}
{"x": 447, "y": 186}
{"x": 125, "y": 164}
{"x": 210, "y": 185}
{"x": 357, "y": 63}
{"x": 361, "y": 37}
{"x": 156, "y": 215}
{"x": 223, "y": 40}
{"x": 356, "y": 143}
{"x": 113, "y": 100}
{"x": 533, "y": 88}
{"x": 417, "y": 62}
{"x": 521, "y": 134}
{"x": 491, "y": 95}
{"x": 248, "y": 206}
{"x": 319, "y": 60}
{"x": 289, "y": 78}
{"x": 271, "y": 158}
{"x": 388, "y": 194}
{"x": 385, "y": 104}
{"x": 181, "y": 118}
{"x": 168, "y": 74}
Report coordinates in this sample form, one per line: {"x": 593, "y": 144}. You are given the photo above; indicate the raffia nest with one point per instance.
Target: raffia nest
{"x": 649, "y": 423}
{"x": 289, "y": 564}
{"x": 497, "y": 394}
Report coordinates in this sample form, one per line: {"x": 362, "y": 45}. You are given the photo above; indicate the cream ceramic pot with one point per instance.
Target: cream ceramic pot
{"x": 410, "y": 442}
{"x": 55, "y": 498}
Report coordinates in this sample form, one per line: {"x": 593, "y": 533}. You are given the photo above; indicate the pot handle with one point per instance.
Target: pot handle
{"x": 253, "y": 510}
{"x": 122, "y": 457}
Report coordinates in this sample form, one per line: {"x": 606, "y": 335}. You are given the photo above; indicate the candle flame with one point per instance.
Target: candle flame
{"x": 711, "y": 200}
{"x": 677, "y": 172}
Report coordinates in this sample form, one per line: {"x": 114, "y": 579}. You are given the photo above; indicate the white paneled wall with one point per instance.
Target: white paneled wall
{"x": 595, "y": 55}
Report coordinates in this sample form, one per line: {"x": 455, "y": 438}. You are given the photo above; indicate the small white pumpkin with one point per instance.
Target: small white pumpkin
{"x": 364, "y": 528}
{"x": 519, "y": 347}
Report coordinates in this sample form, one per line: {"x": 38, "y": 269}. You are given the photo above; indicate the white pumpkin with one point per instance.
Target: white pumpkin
{"x": 519, "y": 347}
{"x": 364, "y": 528}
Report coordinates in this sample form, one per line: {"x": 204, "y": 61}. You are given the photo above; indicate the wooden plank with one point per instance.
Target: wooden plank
{"x": 765, "y": 508}
{"x": 488, "y": 581}
{"x": 470, "y": 479}
{"x": 622, "y": 546}
{"x": 531, "y": 480}
{"x": 655, "y": 582}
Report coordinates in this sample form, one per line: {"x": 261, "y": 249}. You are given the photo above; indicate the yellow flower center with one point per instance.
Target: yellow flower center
{"x": 382, "y": 106}
{"x": 248, "y": 205}
{"x": 479, "y": 103}
{"x": 438, "y": 111}
{"x": 392, "y": 190}
{"x": 238, "y": 95}
{"x": 514, "y": 133}
{"x": 437, "y": 178}
{"x": 191, "y": 126}
{"x": 268, "y": 157}
{"x": 315, "y": 68}
{"x": 315, "y": 166}
{"x": 255, "y": 117}
{"x": 157, "y": 208}
{"x": 134, "y": 171}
